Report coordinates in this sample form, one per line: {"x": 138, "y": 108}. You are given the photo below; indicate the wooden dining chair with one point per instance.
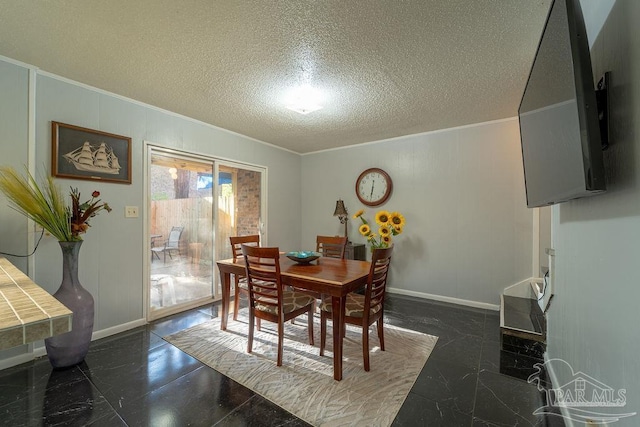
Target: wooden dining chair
{"x": 240, "y": 282}
{"x": 331, "y": 246}
{"x": 268, "y": 299}
{"x": 363, "y": 310}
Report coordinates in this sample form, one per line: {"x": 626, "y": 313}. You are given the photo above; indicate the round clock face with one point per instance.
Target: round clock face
{"x": 373, "y": 187}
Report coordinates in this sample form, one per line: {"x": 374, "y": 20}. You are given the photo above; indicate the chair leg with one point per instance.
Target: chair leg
{"x": 365, "y": 347}
{"x": 280, "y": 340}
{"x": 310, "y": 322}
{"x": 323, "y": 331}
{"x": 250, "y": 337}
{"x": 381, "y": 333}
{"x": 236, "y": 302}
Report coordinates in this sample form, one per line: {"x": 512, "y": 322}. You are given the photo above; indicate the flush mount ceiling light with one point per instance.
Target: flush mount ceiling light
{"x": 304, "y": 99}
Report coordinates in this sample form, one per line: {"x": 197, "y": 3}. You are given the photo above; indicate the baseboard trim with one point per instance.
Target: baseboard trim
{"x": 42, "y": 350}
{"x": 459, "y": 301}
{"x": 16, "y": 360}
{"x": 103, "y": 333}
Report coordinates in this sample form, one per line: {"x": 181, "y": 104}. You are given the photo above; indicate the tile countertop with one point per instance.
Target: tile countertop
{"x": 27, "y": 312}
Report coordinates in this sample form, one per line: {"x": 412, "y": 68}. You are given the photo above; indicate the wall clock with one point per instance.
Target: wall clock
{"x": 373, "y": 187}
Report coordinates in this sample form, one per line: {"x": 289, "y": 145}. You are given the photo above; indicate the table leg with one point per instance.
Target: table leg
{"x": 226, "y": 291}
{"x": 337, "y": 308}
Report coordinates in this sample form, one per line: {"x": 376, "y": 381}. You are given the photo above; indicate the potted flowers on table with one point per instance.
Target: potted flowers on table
{"x": 45, "y": 205}
{"x": 389, "y": 225}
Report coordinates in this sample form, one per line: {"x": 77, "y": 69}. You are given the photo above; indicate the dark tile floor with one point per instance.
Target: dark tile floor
{"x": 137, "y": 379}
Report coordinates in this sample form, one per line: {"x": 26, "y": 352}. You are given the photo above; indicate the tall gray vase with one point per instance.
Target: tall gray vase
{"x": 70, "y": 348}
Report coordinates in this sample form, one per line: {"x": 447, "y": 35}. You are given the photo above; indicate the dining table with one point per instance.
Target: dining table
{"x": 331, "y": 277}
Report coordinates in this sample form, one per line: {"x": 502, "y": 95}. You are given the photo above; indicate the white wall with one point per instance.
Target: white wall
{"x": 14, "y": 81}
{"x": 468, "y": 232}
{"x": 113, "y": 253}
{"x": 594, "y": 317}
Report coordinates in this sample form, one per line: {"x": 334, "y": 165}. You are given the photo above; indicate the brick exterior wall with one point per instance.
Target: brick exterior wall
{"x": 248, "y": 202}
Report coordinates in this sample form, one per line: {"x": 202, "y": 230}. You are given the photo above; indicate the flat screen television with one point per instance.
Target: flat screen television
{"x": 558, "y": 114}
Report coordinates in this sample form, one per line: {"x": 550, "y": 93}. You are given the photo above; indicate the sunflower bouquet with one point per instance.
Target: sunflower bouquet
{"x": 390, "y": 224}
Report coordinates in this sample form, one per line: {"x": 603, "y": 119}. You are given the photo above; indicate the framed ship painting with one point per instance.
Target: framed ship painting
{"x": 81, "y": 153}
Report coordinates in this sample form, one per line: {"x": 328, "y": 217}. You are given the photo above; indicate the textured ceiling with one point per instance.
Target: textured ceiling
{"x": 387, "y": 68}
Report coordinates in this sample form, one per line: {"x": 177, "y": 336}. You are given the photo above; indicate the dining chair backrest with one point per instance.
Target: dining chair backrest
{"x": 377, "y": 281}
{"x": 267, "y": 299}
{"x": 238, "y": 241}
{"x": 331, "y": 246}
{"x": 364, "y": 311}
{"x": 262, "y": 267}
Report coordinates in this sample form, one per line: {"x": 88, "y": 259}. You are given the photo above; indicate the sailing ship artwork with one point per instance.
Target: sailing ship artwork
{"x": 99, "y": 159}
{"x": 81, "y": 153}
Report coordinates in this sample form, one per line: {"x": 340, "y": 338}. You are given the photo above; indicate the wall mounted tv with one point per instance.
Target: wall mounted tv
{"x": 560, "y": 131}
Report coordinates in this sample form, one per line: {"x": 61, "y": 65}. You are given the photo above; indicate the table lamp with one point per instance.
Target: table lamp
{"x": 342, "y": 214}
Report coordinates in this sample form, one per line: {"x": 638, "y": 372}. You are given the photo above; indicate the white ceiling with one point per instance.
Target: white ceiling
{"x": 387, "y": 67}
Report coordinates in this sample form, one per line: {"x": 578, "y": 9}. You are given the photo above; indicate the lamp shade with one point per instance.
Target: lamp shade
{"x": 340, "y": 209}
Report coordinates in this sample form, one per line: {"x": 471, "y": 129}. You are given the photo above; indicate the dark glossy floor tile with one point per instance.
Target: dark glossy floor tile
{"x": 420, "y": 411}
{"x": 435, "y": 318}
{"x": 179, "y": 322}
{"x": 67, "y": 398}
{"x": 212, "y": 310}
{"x": 19, "y": 382}
{"x": 125, "y": 377}
{"x": 140, "y": 339}
{"x": 506, "y": 401}
{"x": 211, "y": 396}
{"x": 491, "y": 330}
{"x": 463, "y": 350}
{"x": 258, "y": 412}
{"x": 451, "y": 385}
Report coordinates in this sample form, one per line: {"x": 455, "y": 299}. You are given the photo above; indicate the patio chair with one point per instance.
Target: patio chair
{"x": 171, "y": 244}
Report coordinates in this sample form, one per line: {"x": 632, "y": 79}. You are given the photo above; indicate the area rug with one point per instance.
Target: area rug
{"x": 304, "y": 384}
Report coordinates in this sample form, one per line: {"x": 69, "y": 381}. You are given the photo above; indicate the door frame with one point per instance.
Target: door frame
{"x": 197, "y": 156}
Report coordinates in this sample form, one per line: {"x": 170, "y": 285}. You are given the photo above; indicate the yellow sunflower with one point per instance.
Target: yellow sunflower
{"x": 385, "y": 230}
{"x": 397, "y": 229}
{"x": 397, "y": 220}
{"x": 365, "y": 230}
{"x": 358, "y": 214}
{"x": 382, "y": 217}
{"x": 386, "y": 239}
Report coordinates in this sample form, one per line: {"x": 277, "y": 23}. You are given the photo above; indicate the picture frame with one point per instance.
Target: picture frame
{"x": 81, "y": 153}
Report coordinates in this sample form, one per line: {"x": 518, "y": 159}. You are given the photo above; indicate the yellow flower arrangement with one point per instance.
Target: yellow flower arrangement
{"x": 391, "y": 224}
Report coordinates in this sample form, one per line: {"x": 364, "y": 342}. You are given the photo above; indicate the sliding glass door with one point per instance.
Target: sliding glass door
{"x": 190, "y": 218}
{"x": 239, "y": 204}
